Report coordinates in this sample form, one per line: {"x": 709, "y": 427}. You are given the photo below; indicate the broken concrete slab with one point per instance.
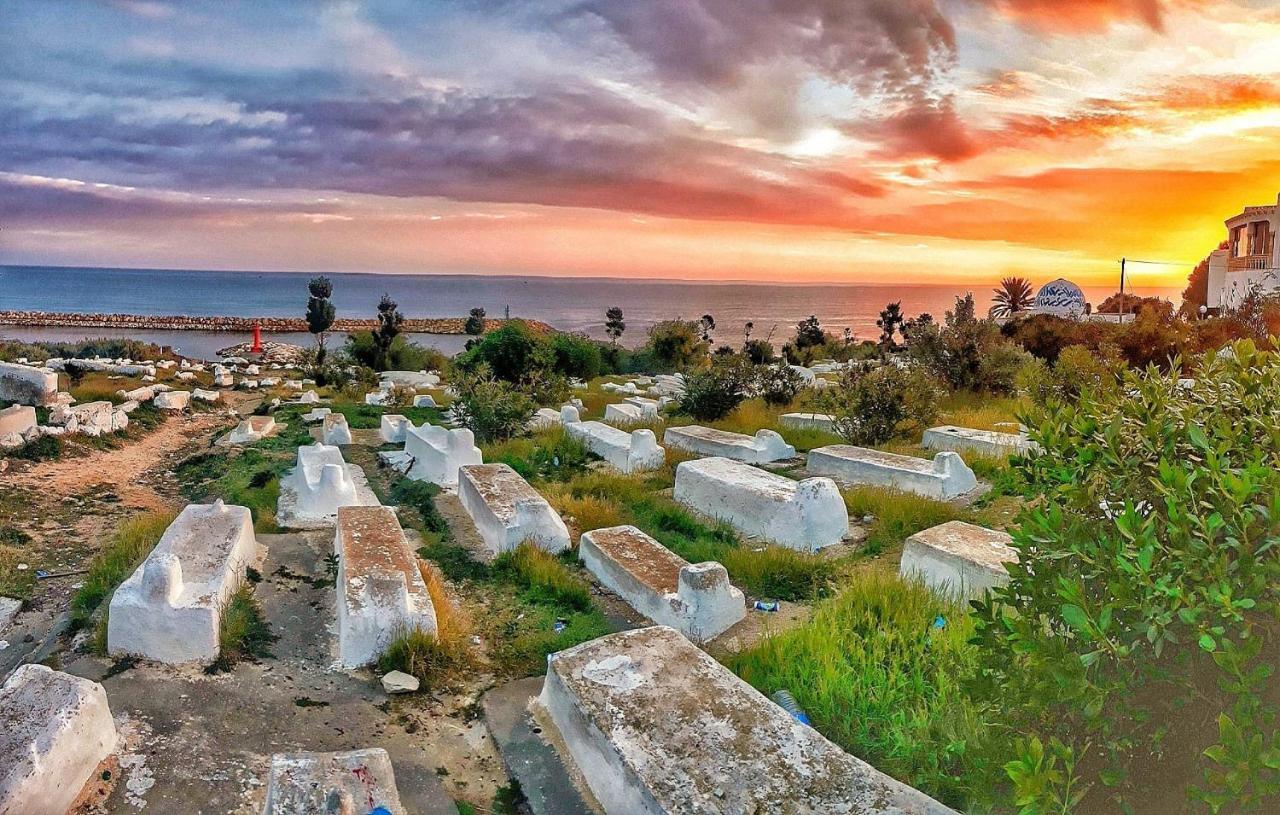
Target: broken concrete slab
{"x": 438, "y": 452}
{"x": 623, "y": 413}
{"x": 203, "y": 395}
{"x": 335, "y": 430}
{"x": 628, "y": 452}
{"x": 57, "y": 730}
{"x": 944, "y": 477}
{"x": 351, "y": 781}
{"x": 381, "y": 593}
{"x": 170, "y": 609}
{"x": 527, "y": 758}
{"x": 657, "y": 726}
{"x": 806, "y": 515}
{"x": 316, "y": 415}
{"x": 982, "y": 442}
{"x": 252, "y": 429}
{"x": 765, "y": 447}
{"x": 18, "y": 419}
{"x": 173, "y": 400}
{"x": 27, "y": 385}
{"x": 507, "y": 511}
{"x": 321, "y": 482}
{"x": 695, "y": 599}
{"x": 957, "y": 559}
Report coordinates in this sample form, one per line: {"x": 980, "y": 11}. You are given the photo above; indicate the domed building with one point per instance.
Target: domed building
{"x": 1061, "y": 298}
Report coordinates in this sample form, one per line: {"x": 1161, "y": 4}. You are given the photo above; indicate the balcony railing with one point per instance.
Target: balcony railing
{"x": 1250, "y": 263}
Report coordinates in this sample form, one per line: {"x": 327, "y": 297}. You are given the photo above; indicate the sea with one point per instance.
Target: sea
{"x": 568, "y": 303}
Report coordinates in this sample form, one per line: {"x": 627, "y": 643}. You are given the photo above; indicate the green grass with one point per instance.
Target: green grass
{"x": 543, "y": 578}
{"x": 897, "y": 515}
{"x": 420, "y": 496}
{"x": 877, "y": 677}
{"x": 522, "y": 634}
{"x": 248, "y": 478}
{"x": 549, "y": 455}
{"x": 14, "y": 582}
{"x": 132, "y": 541}
{"x": 243, "y": 630}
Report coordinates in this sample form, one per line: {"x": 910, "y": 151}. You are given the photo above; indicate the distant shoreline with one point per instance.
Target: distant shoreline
{"x": 270, "y": 325}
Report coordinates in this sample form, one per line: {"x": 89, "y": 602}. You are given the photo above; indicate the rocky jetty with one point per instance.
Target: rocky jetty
{"x": 182, "y": 322}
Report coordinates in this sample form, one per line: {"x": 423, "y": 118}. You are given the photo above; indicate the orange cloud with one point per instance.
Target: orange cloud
{"x": 1077, "y": 16}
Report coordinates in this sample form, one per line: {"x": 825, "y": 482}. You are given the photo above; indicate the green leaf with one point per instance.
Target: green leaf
{"x": 1207, "y": 643}
{"x": 1075, "y": 617}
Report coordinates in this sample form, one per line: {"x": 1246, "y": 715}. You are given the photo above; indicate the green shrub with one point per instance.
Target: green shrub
{"x": 494, "y": 409}
{"x": 402, "y": 355}
{"x": 510, "y": 353}
{"x": 1139, "y": 626}
{"x": 44, "y": 448}
{"x": 871, "y": 406}
{"x": 713, "y": 393}
{"x": 880, "y": 678}
{"x": 132, "y": 541}
{"x": 966, "y": 352}
{"x": 778, "y": 385}
{"x": 676, "y": 344}
{"x": 576, "y": 356}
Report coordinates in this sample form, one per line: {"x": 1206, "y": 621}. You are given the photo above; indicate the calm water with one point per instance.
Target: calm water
{"x": 572, "y": 304}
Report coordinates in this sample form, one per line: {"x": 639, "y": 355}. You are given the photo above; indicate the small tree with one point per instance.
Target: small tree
{"x": 889, "y": 323}
{"x": 713, "y": 393}
{"x": 779, "y": 384}
{"x": 746, "y": 332}
{"x": 708, "y": 324}
{"x": 613, "y": 323}
{"x": 475, "y": 322}
{"x": 390, "y": 321}
{"x": 873, "y": 405}
{"x": 676, "y": 343}
{"x": 320, "y": 313}
{"x": 809, "y": 333}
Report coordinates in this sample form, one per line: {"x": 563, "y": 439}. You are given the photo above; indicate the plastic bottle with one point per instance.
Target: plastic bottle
{"x": 788, "y": 703}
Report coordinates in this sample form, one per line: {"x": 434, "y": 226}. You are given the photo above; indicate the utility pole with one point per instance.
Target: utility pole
{"x": 1120, "y": 318}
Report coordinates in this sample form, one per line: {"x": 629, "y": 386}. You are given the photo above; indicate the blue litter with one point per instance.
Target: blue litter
{"x": 559, "y": 626}
{"x": 772, "y": 605}
{"x": 788, "y": 703}
{"x": 379, "y": 811}
{"x": 939, "y": 622}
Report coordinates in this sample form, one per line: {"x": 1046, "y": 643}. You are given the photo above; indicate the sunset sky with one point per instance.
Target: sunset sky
{"x": 805, "y": 140}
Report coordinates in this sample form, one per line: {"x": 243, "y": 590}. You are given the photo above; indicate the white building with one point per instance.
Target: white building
{"x": 1250, "y": 260}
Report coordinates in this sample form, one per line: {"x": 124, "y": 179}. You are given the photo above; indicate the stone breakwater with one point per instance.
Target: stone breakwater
{"x": 412, "y": 325}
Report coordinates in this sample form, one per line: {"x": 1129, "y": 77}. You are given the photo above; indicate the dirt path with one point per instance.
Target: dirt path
{"x": 131, "y": 471}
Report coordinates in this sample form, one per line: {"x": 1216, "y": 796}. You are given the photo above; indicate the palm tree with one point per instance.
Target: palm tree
{"x": 1013, "y": 296}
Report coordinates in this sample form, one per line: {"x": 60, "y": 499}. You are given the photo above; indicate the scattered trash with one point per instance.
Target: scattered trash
{"x": 788, "y": 703}
{"x": 22, "y": 567}
{"x": 770, "y": 605}
{"x": 560, "y": 625}
{"x": 939, "y": 622}
{"x": 4, "y": 644}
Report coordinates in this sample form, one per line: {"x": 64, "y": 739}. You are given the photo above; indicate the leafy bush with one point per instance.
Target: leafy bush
{"x": 576, "y": 356}
{"x": 401, "y": 355}
{"x": 510, "y": 353}
{"x": 966, "y": 352}
{"x": 778, "y": 385}
{"x": 676, "y": 344}
{"x": 873, "y": 405}
{"x": 1078, "y": 370}
{"x": 878, "y": 676}
{"x": 494, "y": 409}
{"x": 1136, "y": 640}
{"x": 760, "y": 352}
{"x": 713, "y": 393}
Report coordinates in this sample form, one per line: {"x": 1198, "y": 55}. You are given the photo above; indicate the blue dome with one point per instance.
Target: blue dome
{"x": 1060, "y": 297}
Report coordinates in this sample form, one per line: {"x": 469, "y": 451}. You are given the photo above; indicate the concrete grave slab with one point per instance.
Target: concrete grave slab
{"x": 809, "y": 421}
{"x": 765, "y": 447}
{"x": 334, "y": 430}
{"x": 173, "y": 400}
{"x": 944, "y": 477}
{"x": 57, "y": 730}
{"x": 252, "y": 429}
{"x": 507, "y": 511}
{"x": 26, "y": 385}
{"x": 695, "y": 599}
{"x": 957, "y": 559}
{"x": 393, "y": 427}
{"x": 380, "y": 590}
{"x": 806, "y": 515}
{"x": 438, "y": 452}
{"x": 320, "y": 483}
{"x": 307, "y": 783}
{"x": 170, "y": 608}
{"x": 18, "y": 419}
{"x": 658, "y": 727}
{"x": 316, "y": 415}
{"x": 981, "y": 442}
{"x": 627, "y": 452}
{"x": 623, "y": 413}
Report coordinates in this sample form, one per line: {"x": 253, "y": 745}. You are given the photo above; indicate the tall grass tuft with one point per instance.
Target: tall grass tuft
{"x": 543, "y": 577}
{"x": 14, "y": 582}
{"x": 243, "y": 630}
{"x": 427, "y": 657}
{"x": 897, "y": 515}
{"x": 132, "y": 541}
{"x": 879, "y": 676}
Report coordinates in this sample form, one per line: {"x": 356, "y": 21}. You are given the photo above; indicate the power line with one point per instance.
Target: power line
{"x": 1155, "y": 262}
